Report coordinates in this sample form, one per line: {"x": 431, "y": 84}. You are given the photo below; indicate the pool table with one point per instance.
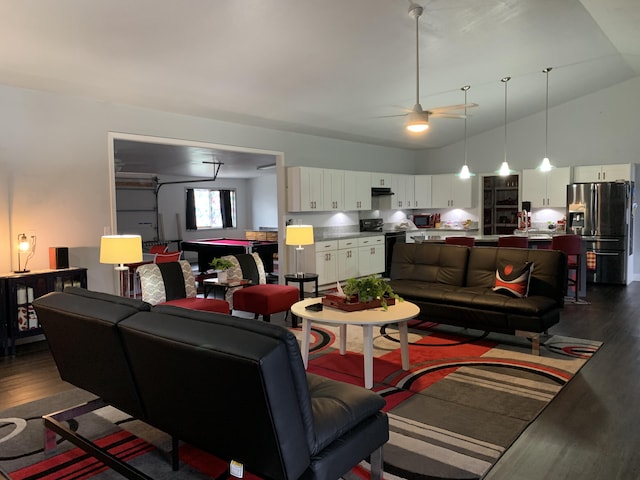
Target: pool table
{"x": 210, "y": 248}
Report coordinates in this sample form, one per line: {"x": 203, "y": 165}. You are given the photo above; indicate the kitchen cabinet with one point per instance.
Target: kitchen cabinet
{"x": 403, "y": 188}
{"x": 546, "y": 189}
{"x": 347, "y": 258}
{"x": 450, "y": 191}
{"x": 422, "y": 191}
{"x": 371, "y": 255}
{"x": 381, "y": 179}
{"x": 18, "y": 318}
{"x": 602, "y": 173}
{"x": 333, "y": 189}
{"x": 325, "y": 262}
{"x": 357, "y": 190}
{"x": 305, "y": 189}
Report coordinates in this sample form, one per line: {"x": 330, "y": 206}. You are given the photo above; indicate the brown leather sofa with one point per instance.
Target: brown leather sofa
{"x": 453, "y": 285}
{"x": 230, "y": 386}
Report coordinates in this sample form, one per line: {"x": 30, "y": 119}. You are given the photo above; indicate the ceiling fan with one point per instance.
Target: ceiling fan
{"x": 417, "y": 118}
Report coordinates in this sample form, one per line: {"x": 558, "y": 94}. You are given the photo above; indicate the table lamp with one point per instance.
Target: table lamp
{"x": 26, "y": 247}
{"x": 121, "y": 249}
{"x": 299, "y": 235}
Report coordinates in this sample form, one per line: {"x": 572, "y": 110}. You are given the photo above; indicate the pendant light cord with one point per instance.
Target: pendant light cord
{"x": 546, "y": 117}
{"x": 417, "y": 11}
{"x": 505, "y": 80}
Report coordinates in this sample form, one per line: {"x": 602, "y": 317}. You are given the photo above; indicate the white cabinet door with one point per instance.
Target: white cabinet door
{"x": 546, "y": 189}
{"x": 450, "y": 191}
{"x": 403, "y": 189}
{"x": 327, "y": 266}
{"x": 357, "y": 190}
{"x": 381, "y": 179}
{"x": 422, "y": 191}
{"x": 371, "y": 255}
{"x": 557, "y": 181}
{"x": 347, "y": 258}
{"x": 602, "y": 173}
{"x": 333, "y": 189}
{"x": 534, "y": 187}
{"x": 611, "y": 173}
{"x": 305, "y": 189}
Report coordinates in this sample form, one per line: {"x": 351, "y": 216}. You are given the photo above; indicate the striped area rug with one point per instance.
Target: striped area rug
{"x": 466, "y": 397}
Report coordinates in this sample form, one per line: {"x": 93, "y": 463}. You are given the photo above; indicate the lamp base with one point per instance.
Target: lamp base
{"x": 21, "y": 271}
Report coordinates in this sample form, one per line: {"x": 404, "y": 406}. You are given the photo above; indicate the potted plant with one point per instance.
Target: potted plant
{"x": 367, "y": 289}
{"x": 221, "y": 265}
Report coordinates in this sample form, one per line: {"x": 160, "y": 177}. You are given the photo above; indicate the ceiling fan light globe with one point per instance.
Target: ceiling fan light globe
{"x": 417, "y": 121}
{"x": 545, "y": 166}
{"x": 418, "y": 127}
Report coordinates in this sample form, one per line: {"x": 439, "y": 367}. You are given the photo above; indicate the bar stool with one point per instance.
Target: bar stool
{"x": 466, "y": 241}
{"x": 572, "y": 246}
{"x": 514, "y": 241}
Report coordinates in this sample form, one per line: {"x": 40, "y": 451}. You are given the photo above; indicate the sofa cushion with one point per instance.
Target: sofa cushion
{"x": 445, "y": 264}
{"x": 513, "y": 278}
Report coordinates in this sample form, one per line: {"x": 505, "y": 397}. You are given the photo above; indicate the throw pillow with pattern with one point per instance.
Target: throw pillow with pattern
{"x": 513, "y": 279}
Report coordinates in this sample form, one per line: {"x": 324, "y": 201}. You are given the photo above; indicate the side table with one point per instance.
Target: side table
{"x": 301, "y": 280}
{"x": 212, "y": 284}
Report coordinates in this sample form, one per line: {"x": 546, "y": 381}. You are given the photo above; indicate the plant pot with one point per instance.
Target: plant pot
{"x": 222, "y": 276}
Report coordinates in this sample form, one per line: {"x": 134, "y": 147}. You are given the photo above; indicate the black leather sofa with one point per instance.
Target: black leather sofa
{"x": 454, "y": 284}
{"x": 233, "y": 387}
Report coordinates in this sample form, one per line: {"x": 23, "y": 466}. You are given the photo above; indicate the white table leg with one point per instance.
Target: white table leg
{"x": 404, "y": 344}
{"x": 367, "y": 334}
{"x": 343, "y": 339}
{"x": 306, "y": 340}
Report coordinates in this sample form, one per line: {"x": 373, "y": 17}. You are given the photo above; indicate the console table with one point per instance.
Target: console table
{"x": 18, "y": 319}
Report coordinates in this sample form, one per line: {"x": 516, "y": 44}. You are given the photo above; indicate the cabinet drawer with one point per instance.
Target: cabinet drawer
{"x": 370, "y": 241}
{"x": 347, "y": 243}
{"x": 326, "y": 246}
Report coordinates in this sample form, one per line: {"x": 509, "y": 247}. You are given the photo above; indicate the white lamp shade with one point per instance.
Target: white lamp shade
{"x": 545, "y": 166}
{"x": 118, "y": 249}
{"x": 299, "y": 235}
{"x": 505, "y": 170}
{"x": 464, "y": 172}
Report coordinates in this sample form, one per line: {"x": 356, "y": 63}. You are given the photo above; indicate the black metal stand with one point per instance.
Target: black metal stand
{"x": 53, "y": 424}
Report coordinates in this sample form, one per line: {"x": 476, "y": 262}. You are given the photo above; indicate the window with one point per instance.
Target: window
{"x": 210, "y": 208}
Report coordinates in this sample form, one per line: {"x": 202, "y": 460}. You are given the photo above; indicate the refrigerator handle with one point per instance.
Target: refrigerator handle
{"x": 594, "y": 209}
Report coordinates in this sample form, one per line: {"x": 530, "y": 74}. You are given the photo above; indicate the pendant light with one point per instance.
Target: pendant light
{"x": 545, "y": 166}
{"x": 504, "y": 168}
{"x": 464, "y": 172}
{"x": 417, "y": 120}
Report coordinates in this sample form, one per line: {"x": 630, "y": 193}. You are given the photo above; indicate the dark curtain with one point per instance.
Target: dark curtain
{"x": 225, "y": 207}
{"x": 191, "y": 210}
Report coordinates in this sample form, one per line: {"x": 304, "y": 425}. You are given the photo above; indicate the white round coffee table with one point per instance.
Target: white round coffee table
{"x": 399, "y": 313}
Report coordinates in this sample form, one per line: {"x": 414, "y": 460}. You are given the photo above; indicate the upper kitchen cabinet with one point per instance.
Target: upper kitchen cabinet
{"x": 380, "y": 179}
{"x": 357, "y": 191}
{"x": 450, "y": 191}
{"x": 422, "y": 191}
{"x": 602, "y": 173}
{"x": 305, "y": 189}
{"x": 333, "y": 189}
{"x": 546, "y": 189}
{"x": 403, "y": 188}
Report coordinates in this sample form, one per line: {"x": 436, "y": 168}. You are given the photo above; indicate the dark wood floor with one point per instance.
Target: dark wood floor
{"x": 589, "y": 431}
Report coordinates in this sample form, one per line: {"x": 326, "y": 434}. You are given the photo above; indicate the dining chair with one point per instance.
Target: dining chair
{"x": 572, "y": 246}
{"x": 514, "y": 241}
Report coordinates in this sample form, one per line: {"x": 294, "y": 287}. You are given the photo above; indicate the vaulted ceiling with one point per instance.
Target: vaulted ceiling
{"x": 331, "y": 67}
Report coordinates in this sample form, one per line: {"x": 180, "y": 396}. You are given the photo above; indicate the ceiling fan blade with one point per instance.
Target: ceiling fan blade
{"x": 461, "y": 106}
{"x": 447, "y": 115}
{"x": 392, "y": 116}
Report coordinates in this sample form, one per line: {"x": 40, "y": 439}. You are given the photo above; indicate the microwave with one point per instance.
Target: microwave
{"x": 424, "y": 220}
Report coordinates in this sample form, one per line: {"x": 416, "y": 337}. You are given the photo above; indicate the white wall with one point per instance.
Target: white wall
{"x": 53, "y": 153}
{"x": 264, "y": 206}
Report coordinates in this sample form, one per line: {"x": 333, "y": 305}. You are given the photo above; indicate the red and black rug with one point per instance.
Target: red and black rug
{"x": 467, "y": 396}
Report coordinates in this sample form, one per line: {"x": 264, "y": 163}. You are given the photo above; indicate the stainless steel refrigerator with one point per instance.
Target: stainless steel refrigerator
{"x": 601, "y": 214}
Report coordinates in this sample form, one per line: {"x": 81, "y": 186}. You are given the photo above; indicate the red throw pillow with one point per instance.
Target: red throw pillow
{"x": 513, "y": 279}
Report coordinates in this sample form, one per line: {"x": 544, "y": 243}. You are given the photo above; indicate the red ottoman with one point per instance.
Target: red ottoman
{"x": 197, "y": 303}
{"x": 265, "y": 299}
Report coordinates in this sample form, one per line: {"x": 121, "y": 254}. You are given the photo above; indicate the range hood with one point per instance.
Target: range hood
{"x": 381, "y": 191}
